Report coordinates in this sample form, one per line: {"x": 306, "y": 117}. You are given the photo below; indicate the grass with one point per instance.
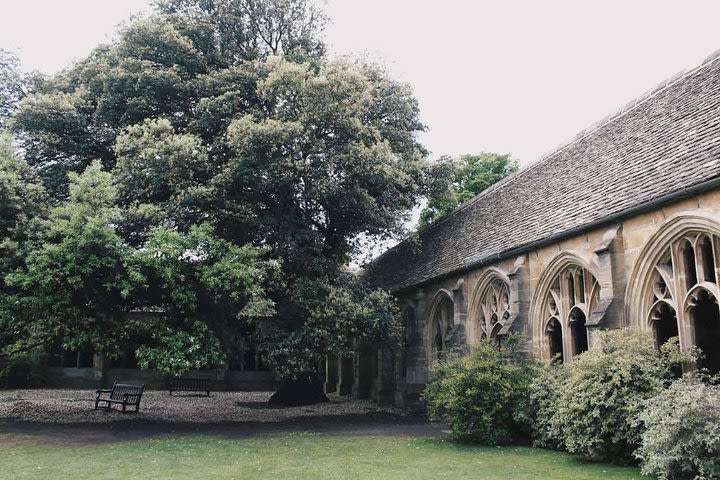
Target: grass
{"x": 293, "y": 456}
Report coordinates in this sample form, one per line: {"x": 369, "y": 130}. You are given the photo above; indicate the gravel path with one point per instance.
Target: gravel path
{"x": 76, "y": 406}
{"x": 67, "y": 418}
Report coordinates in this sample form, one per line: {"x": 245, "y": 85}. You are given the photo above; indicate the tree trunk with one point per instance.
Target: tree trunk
{"x": 306, "y": 389}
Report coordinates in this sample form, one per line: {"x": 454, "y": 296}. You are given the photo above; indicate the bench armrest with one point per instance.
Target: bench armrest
{"x": 103, "y": 390}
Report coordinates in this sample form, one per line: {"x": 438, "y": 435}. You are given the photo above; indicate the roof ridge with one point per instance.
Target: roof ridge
{"x": 622, "y": 111}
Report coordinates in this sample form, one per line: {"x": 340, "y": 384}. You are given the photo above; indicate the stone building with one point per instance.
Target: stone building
{"x": 619, "y": 227}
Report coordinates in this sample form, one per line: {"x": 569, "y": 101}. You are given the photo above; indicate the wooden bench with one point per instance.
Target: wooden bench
{"x": 190, "y": 385}
{"x": 120, "y": 394}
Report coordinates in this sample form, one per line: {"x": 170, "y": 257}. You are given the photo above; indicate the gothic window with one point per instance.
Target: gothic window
{"x": 441, "y": 322}
{"x": 683, "y": 287}
{"x": 662, "y": 314}
{"x": 494, "y": 309}
{"x": 572, "y": 296}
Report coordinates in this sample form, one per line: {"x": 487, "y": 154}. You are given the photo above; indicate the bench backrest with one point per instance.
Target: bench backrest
{"x": 134, "y": 393}
{"x": 191, "y": 383}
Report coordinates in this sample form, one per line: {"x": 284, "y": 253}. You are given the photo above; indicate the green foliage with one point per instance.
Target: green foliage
{"x": 174, "y": 352}
{"x": 319, "y": 164}
{"x": 481, "y": 394}
{"x": 226, "y": 152}
{"x": 605, "y": 390}
{"x": 12, "y": 85}
{"x": 229, "y": 32}
{"x": 681, "y": 437}
{"x": 470, "y": 175}
{"x": 28, "y": 370}
{"x": 79, "y": 280}
{"x": 22, "y": 197}
{"x": 338, "y": 313}
{"x": 155, "y": 165}
{"x": 542, "y": 405}
{"x": 196, "y": 272}
{"x": 75, "y": 276}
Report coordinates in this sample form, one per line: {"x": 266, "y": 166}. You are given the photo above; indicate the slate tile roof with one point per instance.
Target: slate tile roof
{"x": 666, "y": 141}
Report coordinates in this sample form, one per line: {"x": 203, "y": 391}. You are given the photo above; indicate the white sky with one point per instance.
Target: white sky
{"x": 505, "y": 76}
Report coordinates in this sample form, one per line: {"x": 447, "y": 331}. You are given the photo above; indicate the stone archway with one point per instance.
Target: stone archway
{"x": 489, "y": 306}
{"x": 566, "y": 296}
{"x": 673, "y": 286}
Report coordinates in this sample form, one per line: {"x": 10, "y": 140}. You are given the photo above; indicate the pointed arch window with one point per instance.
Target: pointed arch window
{"x": 571, "y": 298}
{"x": 494, "y": 309}
{"x": 441, "y": 321}
{"x": 683, "y": 289}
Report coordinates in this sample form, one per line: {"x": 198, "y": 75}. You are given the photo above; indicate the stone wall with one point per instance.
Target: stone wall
{"x": 611, "y": 256}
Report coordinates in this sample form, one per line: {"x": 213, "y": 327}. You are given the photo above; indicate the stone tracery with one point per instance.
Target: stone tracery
{"x": 681, "y": 297}
{"x": 571, "y": 298}
{"x": 494, "y": 309}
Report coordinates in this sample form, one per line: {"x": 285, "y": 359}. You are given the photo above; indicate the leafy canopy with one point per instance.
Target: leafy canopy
{"x": 470, "y": 175}
{"x": 213, "y": 164}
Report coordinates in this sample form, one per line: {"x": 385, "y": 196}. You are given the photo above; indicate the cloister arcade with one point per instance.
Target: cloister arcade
{"x": 556, "y": 301}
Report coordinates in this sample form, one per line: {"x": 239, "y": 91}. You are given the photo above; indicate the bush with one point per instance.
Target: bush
{"x": 682, "y": 432}
{"x": 480, "y": 394}
{"x": 605, "y": 390}
{"x": 542, "y": 404}
{"x": 23, "y": 371}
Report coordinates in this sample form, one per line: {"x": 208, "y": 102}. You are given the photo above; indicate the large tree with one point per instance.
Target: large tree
{"x": 13, "y": 85}
{"x": 227, "y": 119}
{"x": 469, "y": 175}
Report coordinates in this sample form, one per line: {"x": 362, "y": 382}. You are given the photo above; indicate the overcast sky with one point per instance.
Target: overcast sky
{"x": 508, "y": 76}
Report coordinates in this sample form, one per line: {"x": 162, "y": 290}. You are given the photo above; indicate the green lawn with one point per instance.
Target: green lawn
{"x": 294, "y": 456}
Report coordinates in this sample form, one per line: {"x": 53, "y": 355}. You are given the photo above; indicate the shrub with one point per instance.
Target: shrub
{"x": 542, "y": 404}
{"x": 605, "y": 390}
{"x": 23, "y": 371}
{"x": 479, "y": 394}
{"x": 682, "y": 432}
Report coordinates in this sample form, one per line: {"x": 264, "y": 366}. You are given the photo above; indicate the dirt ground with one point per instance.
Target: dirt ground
{"x": 67, "y": 417}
